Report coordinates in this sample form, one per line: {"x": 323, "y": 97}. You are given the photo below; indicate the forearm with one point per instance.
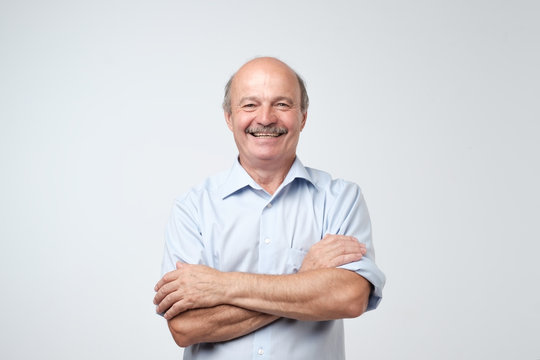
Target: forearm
{"x": 216, "y": 324}
{"x": 316, "y": 295}
{"x": 311, "y": 294}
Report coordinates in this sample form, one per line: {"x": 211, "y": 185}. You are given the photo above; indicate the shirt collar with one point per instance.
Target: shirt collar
{"x": 238, "y": 178}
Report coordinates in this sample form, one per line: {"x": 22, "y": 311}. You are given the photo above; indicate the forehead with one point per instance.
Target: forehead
{"x": 265, "y": 79}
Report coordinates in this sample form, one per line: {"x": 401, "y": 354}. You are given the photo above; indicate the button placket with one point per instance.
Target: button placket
{"x": 266, "y": 233}
{"x": 266, "y": 265}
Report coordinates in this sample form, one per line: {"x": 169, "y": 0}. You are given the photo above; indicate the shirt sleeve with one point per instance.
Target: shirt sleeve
{"x": 183, "y": 239}
{"x": 349, "y": 216}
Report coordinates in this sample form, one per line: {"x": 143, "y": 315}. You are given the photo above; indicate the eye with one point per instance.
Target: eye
{"x": 249, "y": 106}
{"x": 282, "y": 105}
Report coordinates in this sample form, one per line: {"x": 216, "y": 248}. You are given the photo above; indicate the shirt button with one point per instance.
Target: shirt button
{"x": 267, "y": 241}
{"x": 269, "y": 205}
{"x": 260, "y": 351}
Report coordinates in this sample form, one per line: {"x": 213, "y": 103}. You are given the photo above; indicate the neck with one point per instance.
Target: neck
{"x": 270, "y": 176}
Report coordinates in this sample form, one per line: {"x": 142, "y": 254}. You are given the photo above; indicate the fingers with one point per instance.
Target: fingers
{"x": 345, "y": 259}
{"x": 333, "y": 251}
{"x": 168, "y": 277}
{"x": 167, "y": 291}
{"x": 165, "y": 302}
{"x": 353, "y": 248}
{"x": 169, "y": 300}
{"x": 174, "y": 310}
{"x": 187, "y": 287}
{"x": 331, "y": 238}
{"x": 341, "y": 245}
{"x": 163, "y": 292}
{"x": 172, "y": 305}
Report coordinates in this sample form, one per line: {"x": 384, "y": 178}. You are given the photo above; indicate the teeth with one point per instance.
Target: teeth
{"x": 265, "y": 135}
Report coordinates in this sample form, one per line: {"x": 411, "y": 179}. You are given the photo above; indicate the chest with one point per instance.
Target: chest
{"x": 254, "y": 232}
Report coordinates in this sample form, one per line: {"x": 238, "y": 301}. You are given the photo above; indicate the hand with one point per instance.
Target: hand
{"x": 187, "y": 287}
{"x": 333, "y": 251}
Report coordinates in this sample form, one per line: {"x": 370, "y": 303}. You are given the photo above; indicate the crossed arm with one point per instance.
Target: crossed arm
{"x": 202, "y": 304}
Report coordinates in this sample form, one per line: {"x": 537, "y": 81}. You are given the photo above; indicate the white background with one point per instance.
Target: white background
{"x": 110, "y": 109}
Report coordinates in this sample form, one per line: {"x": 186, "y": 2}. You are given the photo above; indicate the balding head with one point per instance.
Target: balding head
{"x": 268, "y": 63}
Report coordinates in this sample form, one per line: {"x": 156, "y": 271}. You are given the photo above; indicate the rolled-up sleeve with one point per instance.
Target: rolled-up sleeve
{"x": 183, "y": 238}
{"x": 349, "y": 216}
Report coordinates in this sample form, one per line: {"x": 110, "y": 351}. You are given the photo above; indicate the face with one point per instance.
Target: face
{"x": 266, "y": 119}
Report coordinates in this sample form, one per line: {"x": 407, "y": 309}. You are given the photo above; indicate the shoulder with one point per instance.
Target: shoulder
{"x": 325, "y": 183}
{"x": 344, "y": 208}
{"x": 208, "y": 189}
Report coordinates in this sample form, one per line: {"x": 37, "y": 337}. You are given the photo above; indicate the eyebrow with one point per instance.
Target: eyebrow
{"x": 248, "y": 98}
{"x": 276, "y": 99}
{"x": 283, "y": 98}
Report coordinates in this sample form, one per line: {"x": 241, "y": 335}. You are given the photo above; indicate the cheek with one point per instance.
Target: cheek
{"x": 296, "y": 128}
{"x": 242, "y": 123}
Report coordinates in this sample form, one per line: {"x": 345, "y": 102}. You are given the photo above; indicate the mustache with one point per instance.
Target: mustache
{"x": 270, "y": 129}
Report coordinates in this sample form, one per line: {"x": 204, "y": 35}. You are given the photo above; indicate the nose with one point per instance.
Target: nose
{"x": 266, "y": 116}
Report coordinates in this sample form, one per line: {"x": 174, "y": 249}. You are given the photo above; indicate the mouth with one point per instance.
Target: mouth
{"x": 265, "y": 135}
{"x": 266, "y": 132}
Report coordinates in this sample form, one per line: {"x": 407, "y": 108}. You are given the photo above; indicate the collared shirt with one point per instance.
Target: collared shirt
{"x": 231, "y": 223}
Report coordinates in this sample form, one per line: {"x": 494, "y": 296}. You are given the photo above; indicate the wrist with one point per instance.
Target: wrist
{"x": 227, "y": 284}
{"x": 239, "y": 287}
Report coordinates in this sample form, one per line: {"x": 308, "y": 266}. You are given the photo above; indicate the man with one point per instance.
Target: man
{"x": 263, "y": 261}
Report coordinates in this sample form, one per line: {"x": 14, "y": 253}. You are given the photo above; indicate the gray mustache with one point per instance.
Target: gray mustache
{"x": 266, "y": 130}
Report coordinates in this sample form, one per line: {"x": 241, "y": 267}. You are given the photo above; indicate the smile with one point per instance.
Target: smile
{"x": 266, "y": 135}
{"x": 266, "y": 131}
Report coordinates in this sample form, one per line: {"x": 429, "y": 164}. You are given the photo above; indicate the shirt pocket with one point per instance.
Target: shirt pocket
{"x": 295, "y": 258}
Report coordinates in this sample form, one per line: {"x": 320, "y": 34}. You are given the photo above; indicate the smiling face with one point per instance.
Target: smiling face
{"x": 265, "y": 117}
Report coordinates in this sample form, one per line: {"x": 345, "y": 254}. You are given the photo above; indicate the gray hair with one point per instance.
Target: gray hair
{"x": 304, "y": 99}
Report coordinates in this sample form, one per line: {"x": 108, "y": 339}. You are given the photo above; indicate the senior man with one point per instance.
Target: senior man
{"x": 264, "y": 260}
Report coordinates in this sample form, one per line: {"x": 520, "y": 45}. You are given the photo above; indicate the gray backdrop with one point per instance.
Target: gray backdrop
{"x": 110, "y": 109}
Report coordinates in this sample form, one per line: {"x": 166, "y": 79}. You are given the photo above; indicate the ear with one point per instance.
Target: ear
{"x": 304, "y": 118}
{"x": 228, "y": 119}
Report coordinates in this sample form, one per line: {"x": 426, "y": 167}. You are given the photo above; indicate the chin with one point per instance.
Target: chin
{"x": 263, "y": 153}
{"x": 265, "y": 157}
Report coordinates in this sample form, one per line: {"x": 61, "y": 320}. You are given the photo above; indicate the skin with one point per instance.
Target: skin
{"x": 185, "y": 287}
{"x": 265, "y": 92}
{"x": 202, "y": 304}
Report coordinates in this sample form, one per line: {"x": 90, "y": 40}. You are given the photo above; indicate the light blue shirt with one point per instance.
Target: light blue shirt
{"x": 231, "y": 224}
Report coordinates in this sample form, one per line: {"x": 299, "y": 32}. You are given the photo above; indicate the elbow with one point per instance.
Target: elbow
{"x": 182, "y": 340}
{"x": 356, "y": 308}
{"x": 180, "y": 333}
{"x": 358, "y": 298}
